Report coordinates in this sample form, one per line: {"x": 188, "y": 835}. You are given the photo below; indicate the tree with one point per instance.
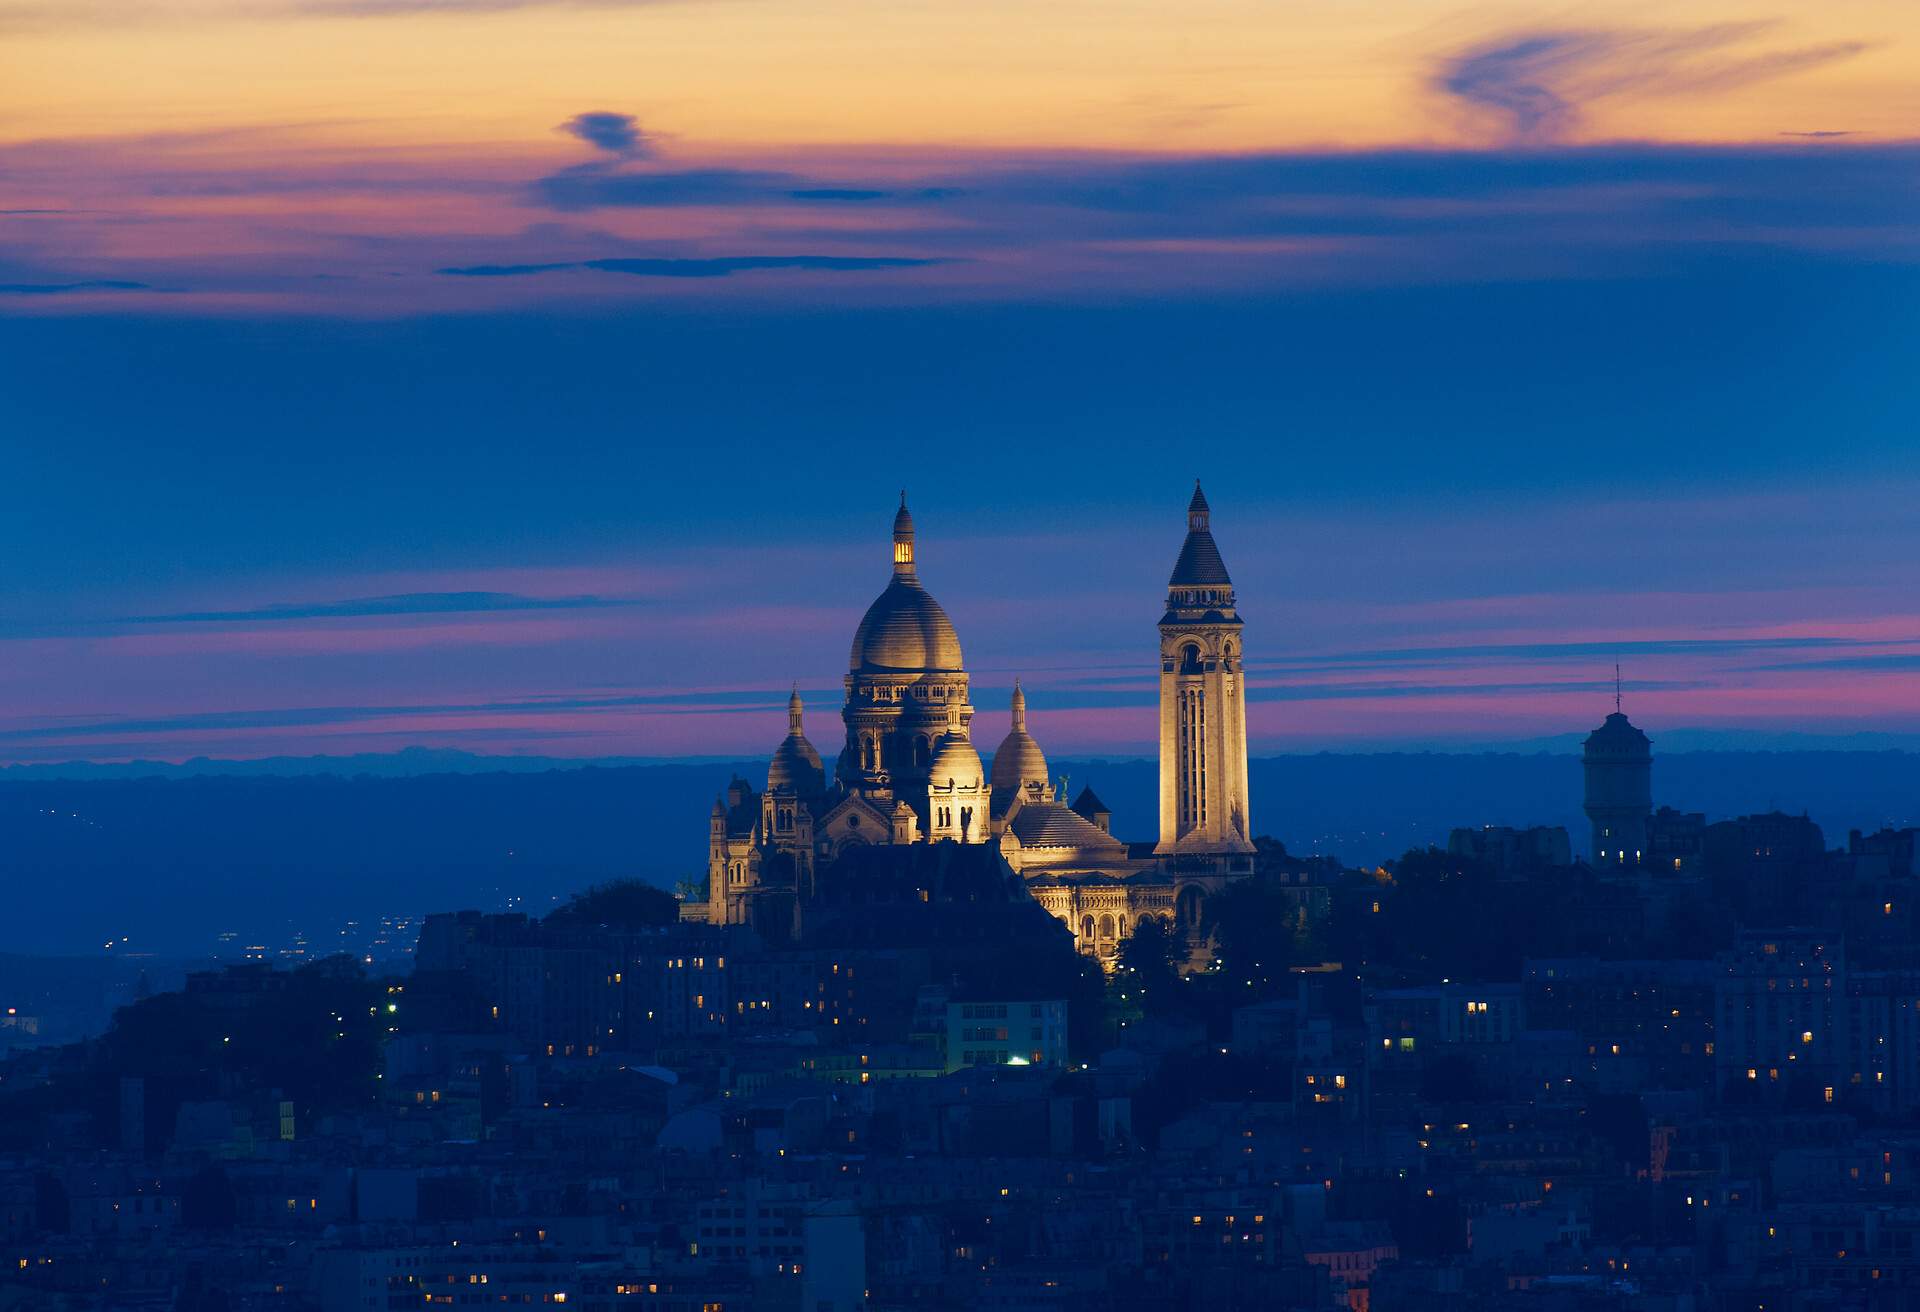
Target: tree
{"x": 1149, "y": 962}
{"x": 618, "y": 904}
{"x": 313, "y": 1034}
{"x": 1254, "y": 925}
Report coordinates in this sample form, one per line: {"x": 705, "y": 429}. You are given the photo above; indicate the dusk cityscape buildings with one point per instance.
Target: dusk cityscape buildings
{"x": 931, "y": 1038}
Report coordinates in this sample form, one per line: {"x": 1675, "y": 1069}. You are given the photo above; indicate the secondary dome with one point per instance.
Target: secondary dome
{"x": 905, "y": 630}
{"x": 955, "y": 764}
{"x": 1018, "y": 760}
{"x": 796, "y": 765}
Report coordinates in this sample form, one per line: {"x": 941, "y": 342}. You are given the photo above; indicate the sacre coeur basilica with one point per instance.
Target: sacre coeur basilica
{"x": 909, "y": 772}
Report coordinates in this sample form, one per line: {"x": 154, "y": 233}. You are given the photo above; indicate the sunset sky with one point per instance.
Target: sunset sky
{"x": 539, "y": 377}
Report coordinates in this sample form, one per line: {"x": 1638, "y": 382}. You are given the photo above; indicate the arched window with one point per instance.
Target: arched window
{"x": 1086, "y": 928}
{"x": 1106, "y": 928}
{"x": 1190, "y": 658}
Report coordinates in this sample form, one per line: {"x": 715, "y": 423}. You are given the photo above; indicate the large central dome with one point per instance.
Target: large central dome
{"x": 905, "y": 630}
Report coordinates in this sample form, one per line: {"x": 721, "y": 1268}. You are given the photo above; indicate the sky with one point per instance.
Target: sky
{"x": 539, "y": 377}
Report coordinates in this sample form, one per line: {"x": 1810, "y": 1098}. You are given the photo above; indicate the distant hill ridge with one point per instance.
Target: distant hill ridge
{"x": 175, "y": 859}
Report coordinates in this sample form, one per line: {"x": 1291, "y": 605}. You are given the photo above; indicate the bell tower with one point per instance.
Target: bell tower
{"x": 1203, "y": 702}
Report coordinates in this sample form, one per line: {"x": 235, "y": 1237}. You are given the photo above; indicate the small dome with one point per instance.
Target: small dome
{"x": 905, "y": 630}
{"x": 955, "y": 764}
{"x": 1018, "y": 760}
{"x": 796, "y": 765}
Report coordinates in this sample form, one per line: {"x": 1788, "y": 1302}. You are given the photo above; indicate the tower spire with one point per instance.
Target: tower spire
{"x": 1019, "y": 708}
{"x": 1616, "y": 687}
{"x": 1198, "y": 511}
{"x": 903, "y": 539}
{"x": 794, "y": 710}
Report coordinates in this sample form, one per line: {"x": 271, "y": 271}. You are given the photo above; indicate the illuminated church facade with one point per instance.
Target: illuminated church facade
{"x": 908, "y": 771}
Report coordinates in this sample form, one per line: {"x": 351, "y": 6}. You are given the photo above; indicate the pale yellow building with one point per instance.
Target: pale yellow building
{"x": 908, "y": 771}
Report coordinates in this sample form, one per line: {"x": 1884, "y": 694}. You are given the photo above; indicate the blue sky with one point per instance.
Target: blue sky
{"x": 1449, "y": 509}
{"x": 540, "y": 376}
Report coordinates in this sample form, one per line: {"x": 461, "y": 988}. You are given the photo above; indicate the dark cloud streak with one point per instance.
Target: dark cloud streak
{"x": 617, "y": 134}
{"x": 70, "y": 288}
{"x": 1538, "y": 84}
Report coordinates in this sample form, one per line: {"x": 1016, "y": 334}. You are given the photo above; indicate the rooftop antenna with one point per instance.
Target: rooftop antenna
{"x": 1616, "y": 687}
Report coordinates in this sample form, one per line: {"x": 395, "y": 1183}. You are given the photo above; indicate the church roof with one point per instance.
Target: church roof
{"x": 1048, "y": 824}
{"x": 1199, "y": 565}
{"x": 1088, "y": 804}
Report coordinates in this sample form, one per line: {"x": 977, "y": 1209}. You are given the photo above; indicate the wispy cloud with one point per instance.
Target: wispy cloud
{"x": 716, "y": 267}
{"x": 412, "y": 603}
{"x": 40, "y": 15}
{"x": 598, "y": 186}
{"x": 1537, "y": 84}
{"x": 1023, "y": 225}
{"x": 68, "y": 288}
{"x": 754, "y": 701}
